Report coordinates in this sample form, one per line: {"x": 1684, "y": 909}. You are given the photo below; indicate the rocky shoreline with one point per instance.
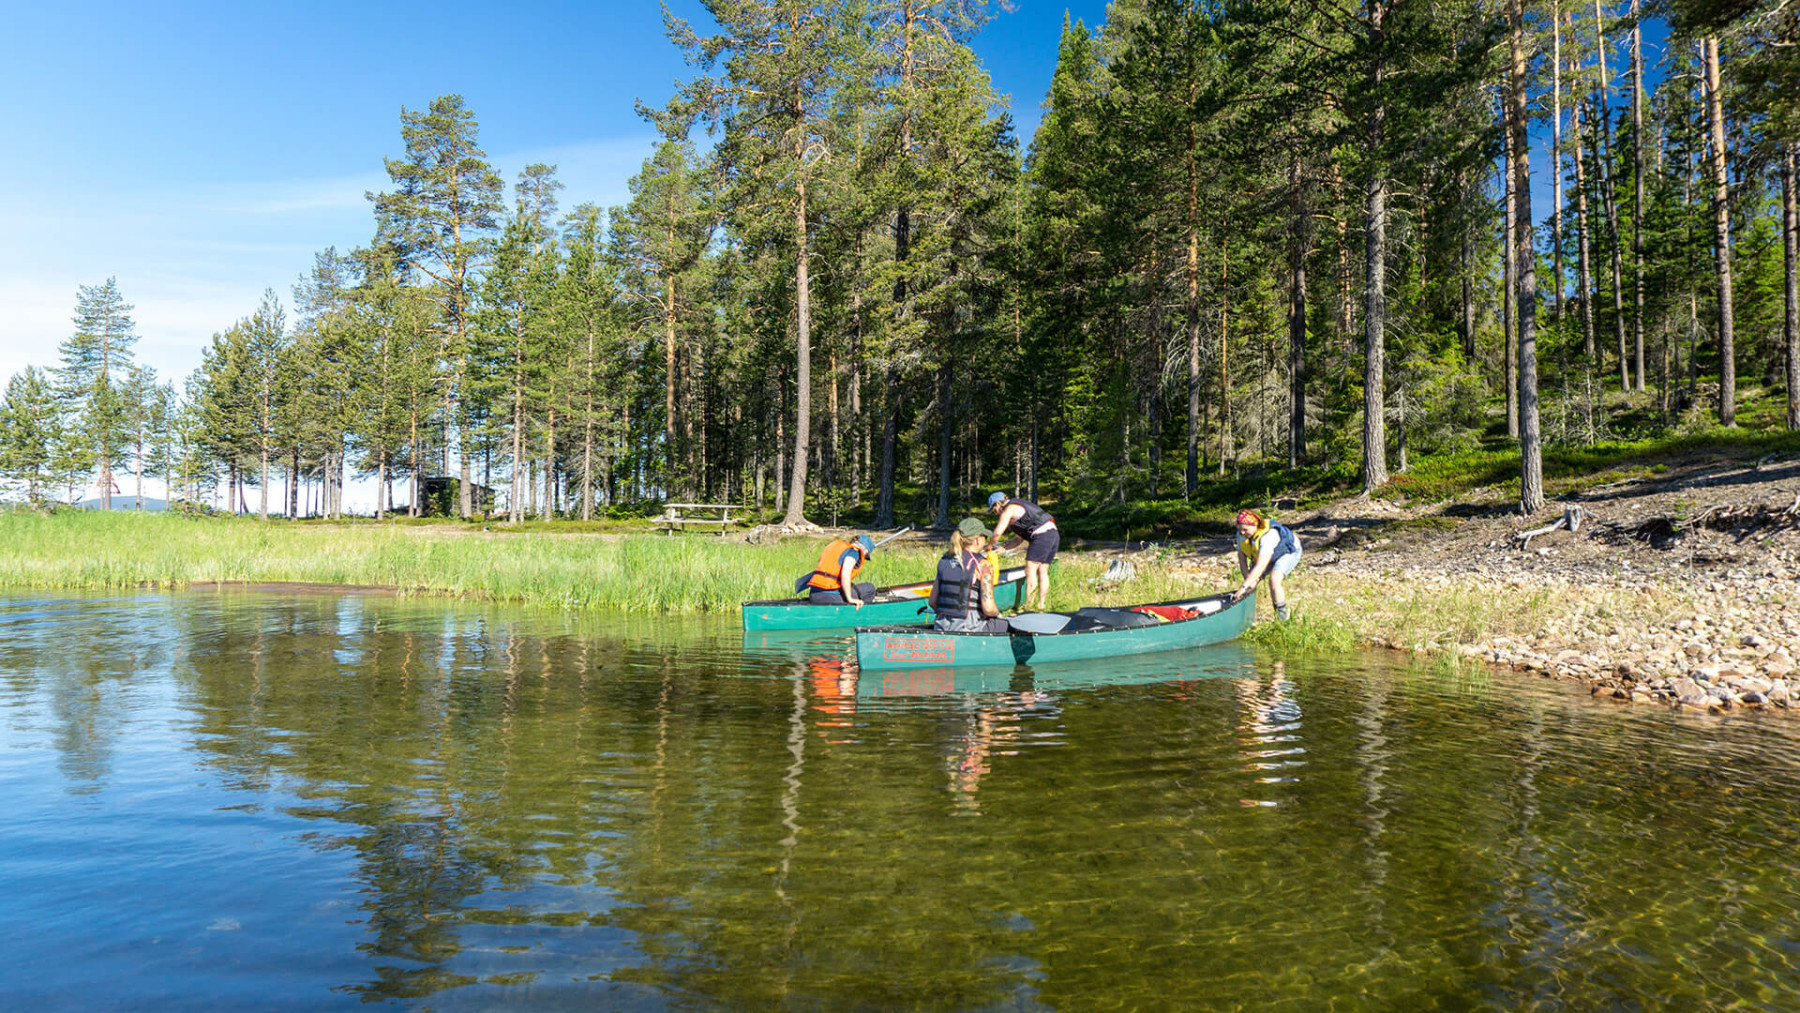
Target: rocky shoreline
{"x": 1714, "y": 649}
{"x": 1681, "y": 590}
{"x": 1673, "y": 583}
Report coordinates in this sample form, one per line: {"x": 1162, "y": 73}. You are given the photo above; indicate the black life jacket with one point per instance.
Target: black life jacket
{"x": 1032, "y": 519}
{"x": 952, "y": 595}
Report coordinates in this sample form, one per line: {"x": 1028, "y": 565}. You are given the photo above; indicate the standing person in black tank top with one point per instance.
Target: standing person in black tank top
{"x": 1035, "y": 525}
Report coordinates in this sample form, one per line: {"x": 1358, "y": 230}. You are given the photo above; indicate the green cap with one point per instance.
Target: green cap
{"x": 972, "y": 526}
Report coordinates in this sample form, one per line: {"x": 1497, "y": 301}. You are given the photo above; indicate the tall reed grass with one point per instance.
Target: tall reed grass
{"x": 632, "y": 573}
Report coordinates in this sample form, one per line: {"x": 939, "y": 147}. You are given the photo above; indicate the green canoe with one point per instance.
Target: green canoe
{"x": 1088, "y": 636}
{"x": 1230, "y": 660}
{"x": 900, "y": 605}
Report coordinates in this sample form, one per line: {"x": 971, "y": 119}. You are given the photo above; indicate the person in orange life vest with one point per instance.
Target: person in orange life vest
{"x": 834, "y": 582}
{"x": 1265, "y": 548}
{"x": 1038, "y": 529}
{"x": 962, "y": 595}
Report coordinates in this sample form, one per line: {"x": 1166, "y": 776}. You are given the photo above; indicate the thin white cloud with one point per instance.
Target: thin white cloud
{"x": 193, "y": 261}
{"x": 288, "y": 197}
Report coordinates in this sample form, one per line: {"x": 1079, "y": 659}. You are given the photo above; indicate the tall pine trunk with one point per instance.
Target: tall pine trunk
{"x": 1301, "y": 218}
{"x": 1531, "y": 465}
{"x": 1584, "y": 272}
{"x": 946, "y": 421}
{"x": 1715, "y": 116}
{"x": 796, "y": 505}
{"x": 1509, "y": 300}
{"x": 890, "y": 405}
{"x": 670, "y": 443}
{"x": 1790, "y": 247}
{"x": 1637, "y": 173}
{"x": 1193, "y": 309}
{"x": 1375, "y": 214}
{"x": 1609, "y": 199}
{"x": 1556, "y": 193}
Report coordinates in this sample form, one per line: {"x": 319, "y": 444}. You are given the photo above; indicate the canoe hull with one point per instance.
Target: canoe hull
{"x": 900, "y": 605}
{"x": 881, "y": 648}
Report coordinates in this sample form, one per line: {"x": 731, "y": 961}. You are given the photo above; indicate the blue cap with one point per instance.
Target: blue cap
{"x": 996, "y": 499}
{"x": 867, "y": 543}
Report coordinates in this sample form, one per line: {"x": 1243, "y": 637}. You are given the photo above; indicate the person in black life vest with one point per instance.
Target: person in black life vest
{"x": 1269, "y": 549}
{"x": 1038, "y": 529}
{"x": 834, "y": 581}
{"x": 962, "y": 595}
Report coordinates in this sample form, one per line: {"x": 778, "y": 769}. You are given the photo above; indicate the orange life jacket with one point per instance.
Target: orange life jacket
{"x": 825, "y": 576}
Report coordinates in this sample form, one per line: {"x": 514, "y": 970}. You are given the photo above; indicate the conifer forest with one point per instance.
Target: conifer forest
{"x": 1248, "y": 238}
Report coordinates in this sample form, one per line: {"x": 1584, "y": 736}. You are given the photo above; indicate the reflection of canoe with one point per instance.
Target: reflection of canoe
{"x": 900, "y": 605}
{"x": 889, "y": 647}
{"x": 778, "y": 647}
{"x": 1226, "y": 660}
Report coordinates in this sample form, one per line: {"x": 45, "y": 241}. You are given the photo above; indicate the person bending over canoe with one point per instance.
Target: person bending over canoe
{"x": 1035, "y": 525}
{"x": 834, "y": 582}
{"x": 1269, "y": 549}
{"x": 963, "y": 593}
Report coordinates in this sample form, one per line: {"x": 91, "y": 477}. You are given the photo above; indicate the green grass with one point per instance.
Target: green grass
{"x": 633, "y": 573}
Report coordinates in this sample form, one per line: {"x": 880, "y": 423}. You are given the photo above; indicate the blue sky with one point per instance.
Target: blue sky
{"x": 201, "y": 152}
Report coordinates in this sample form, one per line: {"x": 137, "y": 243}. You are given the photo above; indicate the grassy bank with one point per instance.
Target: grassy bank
{"x": 689, "y": 574}
{"x": 632, "y": 573}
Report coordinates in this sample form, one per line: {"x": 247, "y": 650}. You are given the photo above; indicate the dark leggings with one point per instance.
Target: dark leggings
{"x": 864, "y": 591}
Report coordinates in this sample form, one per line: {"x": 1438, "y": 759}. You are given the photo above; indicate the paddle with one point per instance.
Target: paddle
{"x": 1038, "y": 622}
{"x": 891, "y": 537}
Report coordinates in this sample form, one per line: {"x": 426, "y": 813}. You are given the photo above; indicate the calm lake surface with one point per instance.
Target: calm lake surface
{"x": 265, "y": 801}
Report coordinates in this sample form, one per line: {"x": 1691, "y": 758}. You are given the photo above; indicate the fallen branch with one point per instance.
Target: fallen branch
{"x": 1571, "y": 519}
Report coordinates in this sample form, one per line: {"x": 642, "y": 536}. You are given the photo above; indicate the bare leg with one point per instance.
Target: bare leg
{"x": 1044, "y": 585}
{"x": 1277, "y": 596}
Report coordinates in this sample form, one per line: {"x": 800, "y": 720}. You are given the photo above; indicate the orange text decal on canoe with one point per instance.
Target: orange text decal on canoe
{"x": 925, "y": 650}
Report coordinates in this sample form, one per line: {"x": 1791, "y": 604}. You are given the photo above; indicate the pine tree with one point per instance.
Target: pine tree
{"x": 31, "y": 428}
{"x": 659, "y": 237}
{"x": 779, "y": 60}
{"x": 446, "y": 203}
{"x": 95, "y": 363}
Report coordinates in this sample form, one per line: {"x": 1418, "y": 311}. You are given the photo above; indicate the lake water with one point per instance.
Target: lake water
{"x": 260, "y": 801}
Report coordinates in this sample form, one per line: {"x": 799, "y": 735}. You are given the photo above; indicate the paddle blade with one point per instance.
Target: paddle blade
{"x": 1038, "y": 622}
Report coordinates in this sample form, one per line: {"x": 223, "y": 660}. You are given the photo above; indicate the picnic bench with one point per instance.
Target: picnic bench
{"x": 681, "y": 516}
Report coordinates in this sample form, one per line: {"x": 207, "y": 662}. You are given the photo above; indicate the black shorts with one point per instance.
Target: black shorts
{"x": 1042, "y": 548}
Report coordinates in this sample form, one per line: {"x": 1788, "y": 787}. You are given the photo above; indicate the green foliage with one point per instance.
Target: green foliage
{"x": 1303, "y": 634}
{"x": 857, "y": 298}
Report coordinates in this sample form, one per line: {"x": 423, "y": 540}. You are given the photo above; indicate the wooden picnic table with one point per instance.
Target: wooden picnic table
{"x": 681, "y": 516}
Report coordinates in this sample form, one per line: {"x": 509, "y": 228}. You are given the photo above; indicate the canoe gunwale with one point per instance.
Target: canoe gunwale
{"x": 1017, "y": 577}
{"x": 907, "y": 611}
{"x": 1073, "y": 633}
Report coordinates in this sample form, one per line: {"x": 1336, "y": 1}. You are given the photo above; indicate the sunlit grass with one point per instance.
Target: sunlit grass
{"x": 632, "y": 573}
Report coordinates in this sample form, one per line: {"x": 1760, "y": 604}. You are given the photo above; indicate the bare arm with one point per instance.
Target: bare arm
{"x": 847, "y": 579}
{"x": 1007, "y": 516}
{"x": 984, "y": 576}
{"x": 1263, "y": 557}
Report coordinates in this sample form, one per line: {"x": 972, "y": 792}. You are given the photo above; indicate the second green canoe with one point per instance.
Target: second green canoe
{"x": 900, "y": 605}
{"x": 1217, "y": 620}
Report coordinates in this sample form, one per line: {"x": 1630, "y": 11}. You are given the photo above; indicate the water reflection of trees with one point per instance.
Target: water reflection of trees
{"x": 87, "y": 678}
{"x": 532, "y": 802}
